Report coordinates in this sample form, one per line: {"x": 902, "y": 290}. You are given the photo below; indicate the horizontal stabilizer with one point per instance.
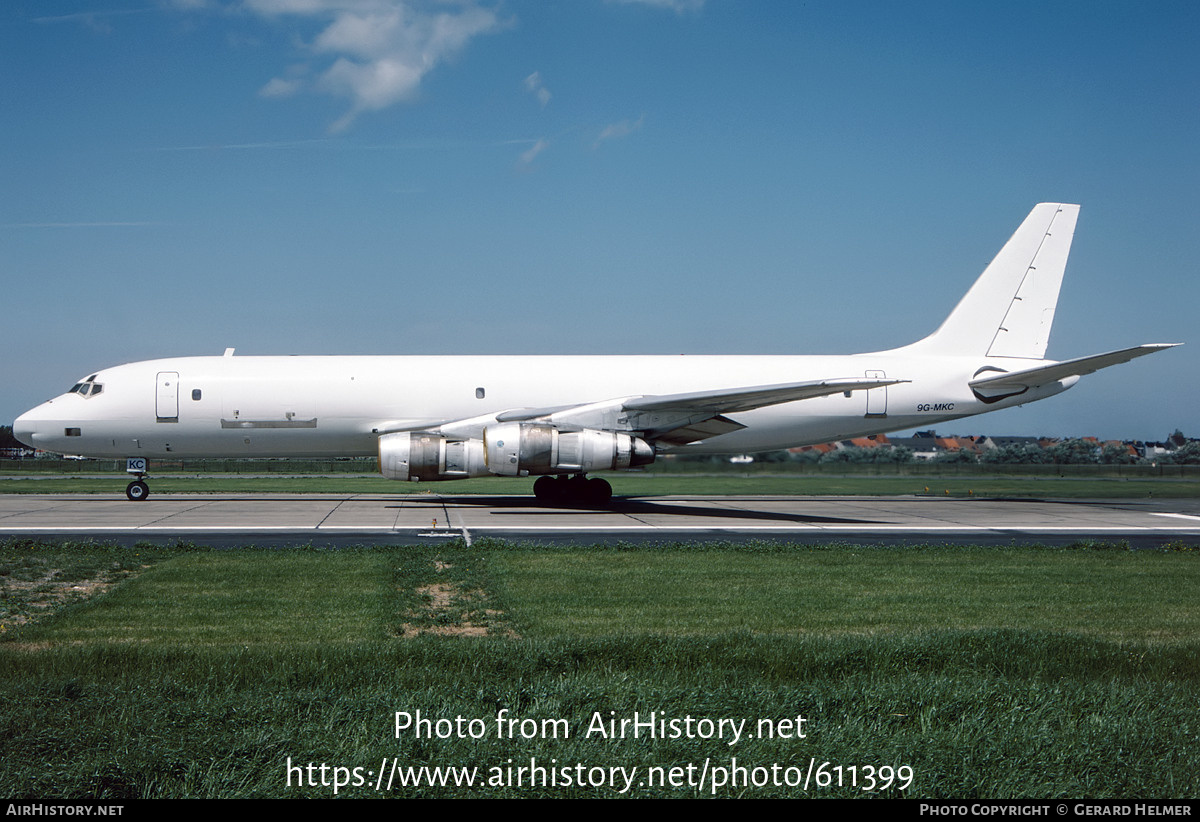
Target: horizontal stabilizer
{"x": 1053, "y": 372}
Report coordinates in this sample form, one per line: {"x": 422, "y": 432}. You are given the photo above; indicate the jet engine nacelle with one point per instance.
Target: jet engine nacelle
{"x": 406, "y": 456}
{"x": 522, "y": 448}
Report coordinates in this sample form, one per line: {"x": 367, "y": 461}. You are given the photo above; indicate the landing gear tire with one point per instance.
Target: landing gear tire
{"x": 598, "y": 491}
{"x": 137, "y": 490}
{"x": 547, "y": 490}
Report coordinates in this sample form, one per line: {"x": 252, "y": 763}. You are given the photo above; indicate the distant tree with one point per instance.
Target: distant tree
{"x": 1074, "y": 452}
{"x": 897, "y": 453}
{"x": 1115, "y": 454}
{"x": 1186, "y": 454}
{"x": 1022, "y": 454}
{"x": 858, "y": 455}
{"x": 7, "y": 440}
{"x": 843, "y": 455}
{"x": 960, "y": 455}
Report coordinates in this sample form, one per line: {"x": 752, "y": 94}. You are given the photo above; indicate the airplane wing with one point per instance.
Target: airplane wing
{"x": 1011, "y": 381}
{"x": 674, "y": 419}
{"x": 678, "y": 419}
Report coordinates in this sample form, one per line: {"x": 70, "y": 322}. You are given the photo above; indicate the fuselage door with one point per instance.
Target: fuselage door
{"x": 166, "y": 398}
{"x": 876, "y": 397}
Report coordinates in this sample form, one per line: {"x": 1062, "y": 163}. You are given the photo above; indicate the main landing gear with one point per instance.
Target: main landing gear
{"x": 577, "y": 490}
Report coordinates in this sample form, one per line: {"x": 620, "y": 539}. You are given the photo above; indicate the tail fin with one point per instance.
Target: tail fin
{"x": 1009, "y": 310}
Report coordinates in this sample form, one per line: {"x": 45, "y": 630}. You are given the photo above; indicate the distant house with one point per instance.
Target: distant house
{"x": 988, "y": 442}
{"x": 924, "y": 445}
{"x": 1155, "y": 451}
{"x": 969, "y": 444}
{"x": 823, "y": 448}
{"x": 873, "y": 441}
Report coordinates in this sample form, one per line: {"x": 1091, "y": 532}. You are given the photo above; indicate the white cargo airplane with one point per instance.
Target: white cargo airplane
{"x": 561, "y": 417}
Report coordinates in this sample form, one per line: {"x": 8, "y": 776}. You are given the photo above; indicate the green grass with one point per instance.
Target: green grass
{"x": 995, "y": 673}
{"x": 830, "y": 590}
{"x": 36, "y": 581}
{"x": 247, "y": 599}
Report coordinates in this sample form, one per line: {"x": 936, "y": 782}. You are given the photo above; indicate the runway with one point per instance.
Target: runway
{"x": 232, "y": 520}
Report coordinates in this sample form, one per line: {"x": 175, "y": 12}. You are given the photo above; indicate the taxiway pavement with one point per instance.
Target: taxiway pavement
{"x": 230, "y": 520}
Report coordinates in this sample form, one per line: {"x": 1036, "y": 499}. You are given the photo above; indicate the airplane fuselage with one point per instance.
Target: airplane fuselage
{"x": 330, "y": 406}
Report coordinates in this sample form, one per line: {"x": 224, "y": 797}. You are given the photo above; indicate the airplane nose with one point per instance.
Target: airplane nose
{"x": 24, "y": 429}
{"x": 29, "y": 428}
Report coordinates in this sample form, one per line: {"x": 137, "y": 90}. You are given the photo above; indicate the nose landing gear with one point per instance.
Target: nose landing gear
{"x": 137, "y": 490}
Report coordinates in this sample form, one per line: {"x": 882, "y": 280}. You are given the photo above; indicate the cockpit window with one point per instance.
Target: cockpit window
{"x": 87, "y": 388}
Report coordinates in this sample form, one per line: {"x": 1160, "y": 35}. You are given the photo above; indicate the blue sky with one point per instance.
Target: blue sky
{"x": 698, "y": 176}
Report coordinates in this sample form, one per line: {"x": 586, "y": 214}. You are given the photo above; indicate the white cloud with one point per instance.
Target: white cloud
{"x": 278, "y": 87}
{"x": 527, "y": 157}
{"x": 381, "y": 49}
{"x": 677, "y": 6}
{"x": 270, "y": 8}
{"x": 616, "y": 131}
{"x": 374, "y": 84}
{"x": 534, "y": 85}
{"x": 365, "y": 35}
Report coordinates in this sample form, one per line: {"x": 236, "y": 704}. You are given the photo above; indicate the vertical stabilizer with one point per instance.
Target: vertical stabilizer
{"x": 1009, "y": 310}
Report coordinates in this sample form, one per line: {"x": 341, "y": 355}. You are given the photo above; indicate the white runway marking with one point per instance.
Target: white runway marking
{"x": 1180, "y": 516}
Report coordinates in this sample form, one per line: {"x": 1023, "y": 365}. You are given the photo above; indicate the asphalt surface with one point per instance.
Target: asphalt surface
{"x": 232, "y": 520}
